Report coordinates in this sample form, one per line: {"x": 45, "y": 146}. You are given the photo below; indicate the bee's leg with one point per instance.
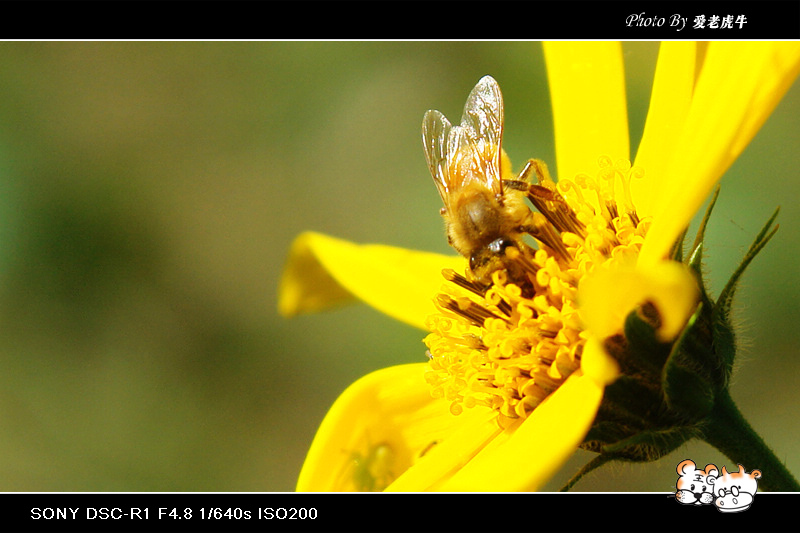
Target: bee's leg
{"x": 545, "y": 197}
{"x": 544, "y": 185}
{"x": 543, "y": 190}
{"x": 517, "y": 185}
{"x": 540, "y": 227}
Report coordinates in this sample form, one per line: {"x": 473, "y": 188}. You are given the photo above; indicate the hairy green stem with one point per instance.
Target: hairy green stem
{"x": 728, "y": 431}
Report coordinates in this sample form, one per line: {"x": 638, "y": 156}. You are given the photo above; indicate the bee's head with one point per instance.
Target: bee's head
{"x": 485, "y": 260}
{"x": 498, "y": 246}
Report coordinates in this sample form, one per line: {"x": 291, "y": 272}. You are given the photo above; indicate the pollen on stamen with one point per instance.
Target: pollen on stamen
{"x": 509, "y": 345}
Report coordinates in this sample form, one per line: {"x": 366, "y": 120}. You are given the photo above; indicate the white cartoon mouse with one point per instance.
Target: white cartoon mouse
{"x": 695, "y": 487}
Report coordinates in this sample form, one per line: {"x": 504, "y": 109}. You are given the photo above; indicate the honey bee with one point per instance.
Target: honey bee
{"x": 484, "y": 214}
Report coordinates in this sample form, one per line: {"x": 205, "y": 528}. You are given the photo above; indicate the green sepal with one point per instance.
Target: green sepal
{"x": 595, "y": 463}
{"x": 650, "y": 445}
{"x": 638, "y": 445}
{"x": 696, "y": 256}
{"x": 632, "y": 408}
{"x": 603, "y": 434}
{"x": 687, "y": 378}
{"x": 724, "y": 344}
{"x": 634, "y": 402}
{"x": 676, "y": 254}
{"x": 722, "y": 328}
{"x": 695, "y": 262}
{"x": 688, "y": 393}
{"x": 645, "y": 351}
{"x": 761, "y": 240}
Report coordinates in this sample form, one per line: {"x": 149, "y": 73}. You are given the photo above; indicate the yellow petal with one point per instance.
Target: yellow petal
{"x": 323, "y": 271}
{"x": 540, "y": 445}
{"x": 669, "y": 104}
{"x": 597, "y": 364}
{"x": 587, "y": 92}
{"x": 781, "y": 64}
{"x": 374, "y": 431}
{"x": 471, "y": 432}
{"x": 607, "y": 296}
{"x": 739, "y": 86}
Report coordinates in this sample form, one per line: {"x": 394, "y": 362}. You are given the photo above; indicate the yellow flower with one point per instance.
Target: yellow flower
{"x": 517, "y": 374}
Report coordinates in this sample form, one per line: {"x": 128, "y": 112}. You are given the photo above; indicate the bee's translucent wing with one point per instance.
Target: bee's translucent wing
{"x": 482, "y": 129}
{"x": 436, "y": 131}
{"x": 469, "y": 151}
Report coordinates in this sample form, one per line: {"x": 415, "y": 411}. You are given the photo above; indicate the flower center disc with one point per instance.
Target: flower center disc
{"x": 507, "y": 346}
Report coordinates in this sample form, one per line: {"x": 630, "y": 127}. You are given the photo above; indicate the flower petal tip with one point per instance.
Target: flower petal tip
{"x": 306, "y": 286}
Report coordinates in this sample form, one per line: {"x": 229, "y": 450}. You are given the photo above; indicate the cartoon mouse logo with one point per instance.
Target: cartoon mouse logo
{"x": 735, "y": 491}
{"x": 695, "y": 486}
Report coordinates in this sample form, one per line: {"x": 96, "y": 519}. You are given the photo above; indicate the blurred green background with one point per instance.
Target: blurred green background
{"x": 149, "y": 192}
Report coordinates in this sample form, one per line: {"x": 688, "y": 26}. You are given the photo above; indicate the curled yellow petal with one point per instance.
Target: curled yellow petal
{"x": 324, "y": 271}
{"x": 608, "y": 295}
{"x": 597, "y": 364}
